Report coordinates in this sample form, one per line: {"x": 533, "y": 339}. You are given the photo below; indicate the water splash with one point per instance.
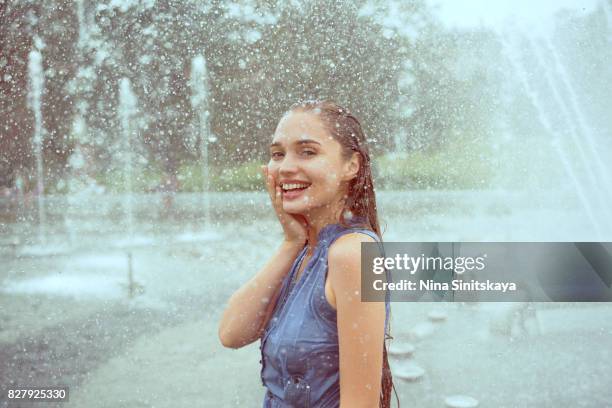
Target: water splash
{"x": 572, "y": 124}
{"x": 586, "y": 190}
{"x": 127, "y": 112}
{"x": 199, "y": 102}
{"x": 37, "y": 84}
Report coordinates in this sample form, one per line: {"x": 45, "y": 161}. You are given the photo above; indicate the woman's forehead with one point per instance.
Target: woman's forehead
{"x": 299, "y": 126}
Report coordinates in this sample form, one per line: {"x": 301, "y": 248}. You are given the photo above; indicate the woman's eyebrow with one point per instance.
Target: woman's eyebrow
{"x": 307, "y": 141}
{"x": 299, "y": 142}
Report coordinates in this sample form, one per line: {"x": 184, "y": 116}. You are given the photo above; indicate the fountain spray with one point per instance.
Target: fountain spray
{"x": 199, "y": 103}
{"x": 37, "y": 83}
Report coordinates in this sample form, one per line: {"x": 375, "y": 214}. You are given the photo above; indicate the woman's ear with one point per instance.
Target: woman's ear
{"x": 352, "y": 167}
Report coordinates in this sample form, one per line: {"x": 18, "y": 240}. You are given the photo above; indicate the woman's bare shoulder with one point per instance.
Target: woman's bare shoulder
{"x": 348, "y": 247}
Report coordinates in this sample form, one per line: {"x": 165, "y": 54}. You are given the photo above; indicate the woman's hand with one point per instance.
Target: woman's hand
{"x": 294, "y": 226}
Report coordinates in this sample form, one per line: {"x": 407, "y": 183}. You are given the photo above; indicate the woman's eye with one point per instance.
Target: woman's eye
{"x": 309, "y": 152}
{"x": 277, "y": 155}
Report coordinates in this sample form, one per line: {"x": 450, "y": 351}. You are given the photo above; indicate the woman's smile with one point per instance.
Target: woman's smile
{"x": 292, "y": 189}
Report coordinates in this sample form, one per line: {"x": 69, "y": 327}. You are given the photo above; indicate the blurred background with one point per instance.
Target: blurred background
{"x": 131, "y": 205}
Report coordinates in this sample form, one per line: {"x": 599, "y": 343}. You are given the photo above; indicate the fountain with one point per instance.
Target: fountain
{"x": 581, "y": 123}
{"x": 37, "y": 84}
{"x": 409, "y": 371}
{"x": 83, "y": 29}
{"x": 559, "y": 80}
{"x": 127, "y": 112}
{"x": 460, "y": 401}
{"x": 577, "y": 139}
{"x": 199, "y": 103}
{"x": 608, "y": 14}
{"x": 401, "y": 350}
{"x": 79, "y": 185}
{"x": 585, "y": 188}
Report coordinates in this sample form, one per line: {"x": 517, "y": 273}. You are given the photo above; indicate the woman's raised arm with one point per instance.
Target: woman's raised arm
{"x": 250, "y": 307}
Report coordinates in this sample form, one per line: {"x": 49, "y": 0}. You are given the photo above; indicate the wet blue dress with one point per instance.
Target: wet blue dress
{"x": 299, "y": 347}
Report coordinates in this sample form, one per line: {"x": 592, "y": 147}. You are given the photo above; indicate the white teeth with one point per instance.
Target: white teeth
{"x": 293, "y": 186}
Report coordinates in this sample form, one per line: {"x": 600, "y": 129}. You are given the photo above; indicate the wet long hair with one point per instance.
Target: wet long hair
{"x": 361, "y": 198}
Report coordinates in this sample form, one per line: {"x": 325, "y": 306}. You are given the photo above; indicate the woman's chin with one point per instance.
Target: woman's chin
{"x": 299, "y": 206}
{"x": 294, "y": 208}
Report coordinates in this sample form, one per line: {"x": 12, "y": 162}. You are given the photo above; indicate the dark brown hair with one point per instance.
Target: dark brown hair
{"x": 361, "y": 198}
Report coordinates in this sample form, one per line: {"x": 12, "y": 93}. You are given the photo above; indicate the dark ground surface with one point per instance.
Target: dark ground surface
{"x": 66, "y": 354}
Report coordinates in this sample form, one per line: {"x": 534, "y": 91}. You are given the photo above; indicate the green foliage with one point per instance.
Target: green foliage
{"x": 460, "y": 164}
{"x": 190, "y": 177}
{"x": 393, "y": 64}
{"x": 257, "y": 67}
{"x": 148, "y": 179}
{"x": 244, "y": 177}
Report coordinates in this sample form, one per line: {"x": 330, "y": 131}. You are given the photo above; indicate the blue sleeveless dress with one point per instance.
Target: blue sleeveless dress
{"x": 299, "y": 347}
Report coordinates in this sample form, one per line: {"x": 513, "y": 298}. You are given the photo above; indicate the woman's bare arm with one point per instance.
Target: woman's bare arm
{"x": 250, "y": 307}
{"x": 360, "y": 326}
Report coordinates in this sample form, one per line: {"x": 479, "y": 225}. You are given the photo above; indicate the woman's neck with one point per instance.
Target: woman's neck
{"x": 316, "y": 222}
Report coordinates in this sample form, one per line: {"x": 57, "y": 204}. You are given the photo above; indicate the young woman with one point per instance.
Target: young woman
{"x": 321, "y": 346}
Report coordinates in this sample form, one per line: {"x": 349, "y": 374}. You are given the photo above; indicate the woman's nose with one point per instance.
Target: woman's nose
{"x": 287, "y": 165}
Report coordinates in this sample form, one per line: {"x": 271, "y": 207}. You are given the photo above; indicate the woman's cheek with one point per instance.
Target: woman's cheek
{"x": 333, "y": 182}
{"x": 271, "y": 166}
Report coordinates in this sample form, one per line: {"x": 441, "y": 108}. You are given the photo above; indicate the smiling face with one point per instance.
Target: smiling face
{"x": 307, "y": 162}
